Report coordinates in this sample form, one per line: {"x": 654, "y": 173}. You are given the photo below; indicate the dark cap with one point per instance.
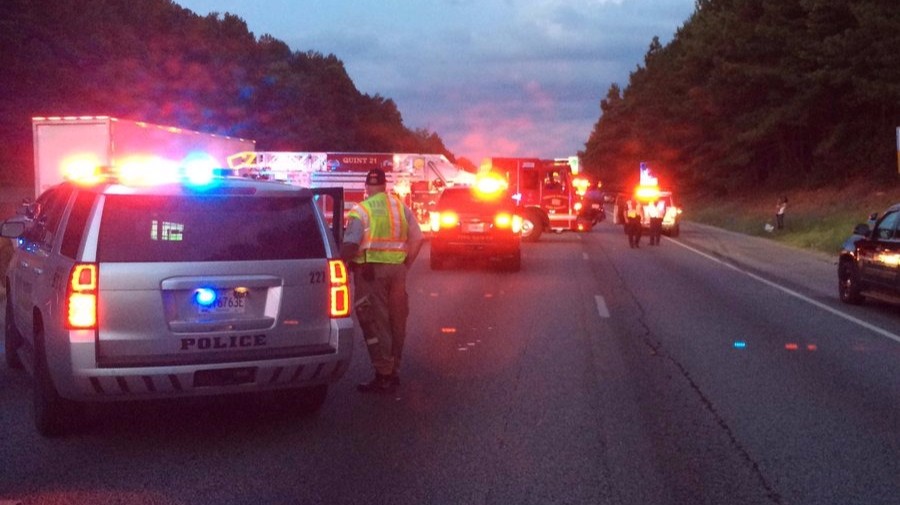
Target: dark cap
{"x": 376, "y": 177}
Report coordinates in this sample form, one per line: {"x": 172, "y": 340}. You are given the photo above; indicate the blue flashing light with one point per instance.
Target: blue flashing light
{"x": 199, "y": 169}
{"x": 740, "y": 344}
{"x": 205, "y": 297}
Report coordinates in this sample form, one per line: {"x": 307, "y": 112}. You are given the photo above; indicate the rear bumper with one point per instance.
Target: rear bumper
{"x": 88, "y": 382}
{"x": 466, "y": 248}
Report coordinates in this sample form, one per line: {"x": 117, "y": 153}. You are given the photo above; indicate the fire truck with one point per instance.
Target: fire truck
{"x": 549, "y": 192}
{"x": 418, "y": 178}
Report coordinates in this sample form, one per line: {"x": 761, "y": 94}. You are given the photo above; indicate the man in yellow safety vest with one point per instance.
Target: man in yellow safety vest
{"x": 654, "y": 212}
{"x": 381, "y": 242}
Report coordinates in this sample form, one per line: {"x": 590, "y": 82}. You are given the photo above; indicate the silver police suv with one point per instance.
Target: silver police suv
{"x": 120, "y": 292}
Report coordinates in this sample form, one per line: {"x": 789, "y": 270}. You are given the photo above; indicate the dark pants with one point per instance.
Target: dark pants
{"x": 779, "y": 221}
{"x": 382, "y": 308}
{"x": 633, "y": 229}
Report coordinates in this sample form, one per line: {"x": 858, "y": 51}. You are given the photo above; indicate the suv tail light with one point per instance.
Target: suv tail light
{"x": 81, "y": 297}
{"x": 339, "y": 289}
{"x": 446, "y": 219}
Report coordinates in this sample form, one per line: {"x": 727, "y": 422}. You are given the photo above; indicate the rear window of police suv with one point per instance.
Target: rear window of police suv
{"x": 178, "y": 228}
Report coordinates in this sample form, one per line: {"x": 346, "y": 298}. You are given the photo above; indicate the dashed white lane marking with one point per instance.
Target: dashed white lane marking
{"x": 602, "y": 310}
{"x": 585, "y": 256}
{"x": 848, "y": 317}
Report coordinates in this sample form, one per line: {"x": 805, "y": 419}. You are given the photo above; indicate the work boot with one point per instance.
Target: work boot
{"x": 380, "y": 384}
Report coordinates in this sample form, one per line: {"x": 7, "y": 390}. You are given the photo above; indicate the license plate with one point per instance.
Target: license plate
{"x": 226, "y": 303}
{"x": 229, "y": 377}
{"x": 474, "y": 228}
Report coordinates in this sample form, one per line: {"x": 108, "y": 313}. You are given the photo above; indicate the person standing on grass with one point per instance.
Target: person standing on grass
{"x": 780, "y": 207}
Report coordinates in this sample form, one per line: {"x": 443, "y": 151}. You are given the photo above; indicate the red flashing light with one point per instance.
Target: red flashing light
{"x": 581, "y": 185}
{"x": 647, "y": 193}
{"x": 197, "y": 169}
{"x": 490, "y": 185}
{"x": 82, "y": 168}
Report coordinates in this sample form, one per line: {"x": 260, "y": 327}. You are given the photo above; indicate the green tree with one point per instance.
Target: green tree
{"x": 749, "y": 92}
{"x": 157, "y": 62}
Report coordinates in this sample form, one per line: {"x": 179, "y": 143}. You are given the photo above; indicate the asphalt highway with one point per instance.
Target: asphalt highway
{"x": 715, "y": 368}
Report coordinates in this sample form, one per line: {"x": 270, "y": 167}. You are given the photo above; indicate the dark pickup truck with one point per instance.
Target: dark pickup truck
{"x": 869, "y": 264}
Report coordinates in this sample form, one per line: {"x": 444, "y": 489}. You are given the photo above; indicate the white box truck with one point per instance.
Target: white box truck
{"x": 60, "y": 142}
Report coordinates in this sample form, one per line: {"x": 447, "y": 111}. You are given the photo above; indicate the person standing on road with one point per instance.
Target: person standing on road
{"x": 655, "y": 212}
{"x": 381, "y": 242}
{"x": 634, "y": 217}
{"x": 593, "y": 202}
{"x": 780, "y": 207}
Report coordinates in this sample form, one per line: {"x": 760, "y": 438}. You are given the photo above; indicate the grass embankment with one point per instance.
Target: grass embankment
{"x": 819, "y": 219}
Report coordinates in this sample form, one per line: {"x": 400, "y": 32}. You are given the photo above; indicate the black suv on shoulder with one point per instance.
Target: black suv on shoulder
{"x": 869, "y": 264}
{"x": 119, "y": 292}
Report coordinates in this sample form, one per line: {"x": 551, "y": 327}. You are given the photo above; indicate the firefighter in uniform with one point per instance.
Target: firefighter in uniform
{"x": 381, "y": 242}
{"x": 655, "y": 212}
{"x": 634, "y": 217}
{"x": 593, "y": 201}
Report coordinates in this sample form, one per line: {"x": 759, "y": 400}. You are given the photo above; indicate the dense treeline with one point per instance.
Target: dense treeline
{"x": 750, "y": 93}
{"x": 155, "y": 61}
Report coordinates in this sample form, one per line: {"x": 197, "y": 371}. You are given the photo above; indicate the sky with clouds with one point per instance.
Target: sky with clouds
{"x": 491, "y": 77}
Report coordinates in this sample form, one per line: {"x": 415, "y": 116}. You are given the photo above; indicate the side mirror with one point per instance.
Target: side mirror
{"x": 862, "y": 229}
{"x": 12, "y": 229}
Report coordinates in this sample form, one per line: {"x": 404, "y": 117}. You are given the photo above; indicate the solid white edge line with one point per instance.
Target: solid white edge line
{"x": 848, "y": 317}
{"x": 602, "y": 309}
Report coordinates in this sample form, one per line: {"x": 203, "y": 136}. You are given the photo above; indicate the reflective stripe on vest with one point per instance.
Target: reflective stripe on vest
{"x": 632, "y": 210}
{"x": 385, "y": 229}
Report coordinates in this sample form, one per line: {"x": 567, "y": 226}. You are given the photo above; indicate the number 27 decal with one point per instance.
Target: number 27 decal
{"x": 317, "y": 277}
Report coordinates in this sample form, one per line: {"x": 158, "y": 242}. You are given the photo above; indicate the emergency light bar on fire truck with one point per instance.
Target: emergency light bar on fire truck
{"x": 418, "y": 178}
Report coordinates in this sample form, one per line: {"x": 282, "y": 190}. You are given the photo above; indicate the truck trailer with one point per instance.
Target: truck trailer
{"x": 66, "y": 145}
